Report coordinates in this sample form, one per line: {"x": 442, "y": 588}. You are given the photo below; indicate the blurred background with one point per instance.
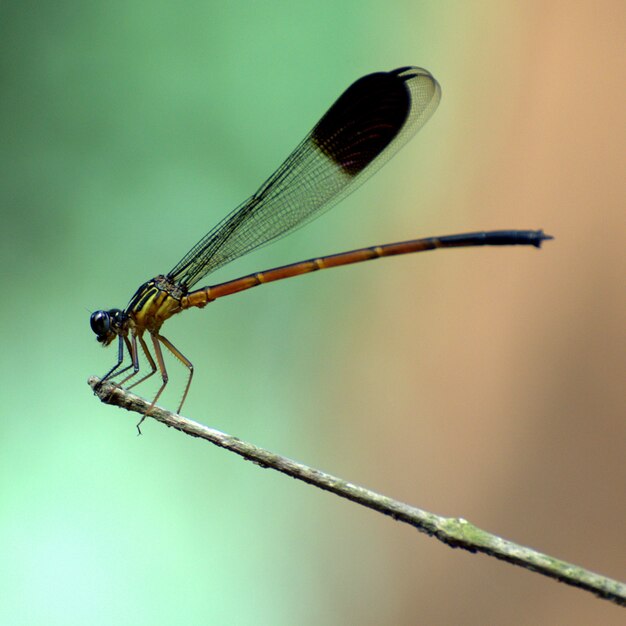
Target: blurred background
{"x": 485, "y": 383}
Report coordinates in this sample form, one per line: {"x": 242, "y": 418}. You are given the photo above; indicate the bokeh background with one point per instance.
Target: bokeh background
{"x": 487, "y": 384}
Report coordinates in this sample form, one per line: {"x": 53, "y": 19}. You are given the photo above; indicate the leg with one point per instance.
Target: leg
{"x": 156, "y": 341}
{"x": 153, "y": 367}
{"x": 184, "y": 360}
{"x": 164, "y": 377}
{"x": 134, "y": 357}
{"x": 120, "y": 358}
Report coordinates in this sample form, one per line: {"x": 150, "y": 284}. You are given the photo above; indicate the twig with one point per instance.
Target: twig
{"x": 455, "y": 532}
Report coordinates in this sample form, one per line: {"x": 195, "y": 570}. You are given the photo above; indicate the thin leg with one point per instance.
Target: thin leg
{"x": 184, "y": 360}
{"x": 134, "y": 356}
{"x": 120, "y": 358}
{"x": 156, "y": 342}
{"x": 153, "y": 367}
{"x": 164, "y": 377}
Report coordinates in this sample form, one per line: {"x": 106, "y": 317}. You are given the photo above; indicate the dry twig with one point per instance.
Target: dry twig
{"x": 455, "y": 532}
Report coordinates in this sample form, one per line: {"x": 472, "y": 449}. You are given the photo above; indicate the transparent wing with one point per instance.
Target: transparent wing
{"x": 365, "y": 127}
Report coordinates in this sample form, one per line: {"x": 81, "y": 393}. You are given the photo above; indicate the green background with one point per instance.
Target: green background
{"x": 486, "y": 384}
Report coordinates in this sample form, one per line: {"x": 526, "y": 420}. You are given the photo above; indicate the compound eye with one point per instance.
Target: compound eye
{"x": 100, "y": 323}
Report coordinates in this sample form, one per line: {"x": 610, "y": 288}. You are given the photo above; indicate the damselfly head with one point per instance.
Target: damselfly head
{"x": 107, "y": 324}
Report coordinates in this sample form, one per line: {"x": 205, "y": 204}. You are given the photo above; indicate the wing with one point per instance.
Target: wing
{"x": 362, "y": 130}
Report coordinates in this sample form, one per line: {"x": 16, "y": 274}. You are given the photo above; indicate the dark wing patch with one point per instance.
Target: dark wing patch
{"x": 363, "y": 121}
